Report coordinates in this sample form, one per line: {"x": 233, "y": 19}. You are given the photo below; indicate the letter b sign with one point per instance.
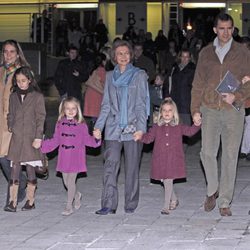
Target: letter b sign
{"x": 131, "y": 18}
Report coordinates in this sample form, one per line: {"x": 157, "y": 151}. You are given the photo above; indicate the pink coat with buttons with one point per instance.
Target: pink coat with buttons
{"x": 70, "y": 138}
{"x": 168, "y": 159}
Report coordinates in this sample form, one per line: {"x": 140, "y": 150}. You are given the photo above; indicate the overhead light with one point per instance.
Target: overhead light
{"x": 203, "y": 5}
{"x": 77, "y": 6}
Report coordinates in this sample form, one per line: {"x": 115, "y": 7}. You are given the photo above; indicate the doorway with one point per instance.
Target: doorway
{"x": 201, "y": 20}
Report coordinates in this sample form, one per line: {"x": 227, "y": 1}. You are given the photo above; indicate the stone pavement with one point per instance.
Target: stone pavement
{"x": 187, "y": 227}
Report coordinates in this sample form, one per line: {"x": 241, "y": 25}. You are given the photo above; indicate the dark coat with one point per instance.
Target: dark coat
{"x": 182, "y": 86}
{"x": 66, "y": 82}
{"x": 161, "y": 43}
{"x": 26, "y": 122}
{"x": 149, "y": 50}
{"x": 168, "y": 161}
{"x": 144, "y": 62}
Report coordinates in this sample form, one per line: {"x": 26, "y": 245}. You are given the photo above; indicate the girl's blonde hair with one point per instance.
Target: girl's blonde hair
{"x": 79, "y": 117}
{"x": 175, "y": 120}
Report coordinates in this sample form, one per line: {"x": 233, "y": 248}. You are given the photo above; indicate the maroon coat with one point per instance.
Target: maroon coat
{"x": 168, "y": 160}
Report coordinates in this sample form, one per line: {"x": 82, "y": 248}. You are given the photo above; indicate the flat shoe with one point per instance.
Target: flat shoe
{"x": 10, "y": 207}
{"x": 165, "y": 211}
{"x": 105, "y": 211}
{"x": 77, "y": 202}
{"x": 173, "y": 205}
{"x": 27, "y": 206}
{"x": 129, "y": 211}
{"x": 67, "y": 211}
{"x": 210, "y": 202}
{"x": 225, "y": 211}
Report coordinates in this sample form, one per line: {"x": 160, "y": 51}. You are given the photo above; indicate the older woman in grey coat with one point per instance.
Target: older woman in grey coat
{"x": 123, "y": 112}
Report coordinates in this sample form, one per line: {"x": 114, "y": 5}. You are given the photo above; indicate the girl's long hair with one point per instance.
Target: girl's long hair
{"x": 21, "y": 59}
{"x": 175, "y": 120}
{"x": 79, "y": 117}
{"x": 27, "y": 72}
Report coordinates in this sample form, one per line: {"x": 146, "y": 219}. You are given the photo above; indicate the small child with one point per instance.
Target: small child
{"x": 156, "y": 96}
{"x": 26, "y": 122}
{"x": 168, "y": 157}
{"x": 71, "y": 136}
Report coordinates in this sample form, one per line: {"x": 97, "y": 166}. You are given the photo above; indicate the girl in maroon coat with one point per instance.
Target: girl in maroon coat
{"x": 71, "y": 136}
{"x": 168, "y": 161}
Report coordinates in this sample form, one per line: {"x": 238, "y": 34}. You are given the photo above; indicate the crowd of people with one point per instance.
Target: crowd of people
{"x": 138, "y": 91}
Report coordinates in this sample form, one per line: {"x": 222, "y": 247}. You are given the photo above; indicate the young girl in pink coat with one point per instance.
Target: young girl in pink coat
{"x": 71, "y": 136}
{"x": 168, "y": 162}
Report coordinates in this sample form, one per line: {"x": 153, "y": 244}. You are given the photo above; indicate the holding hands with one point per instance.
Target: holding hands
{"x": 37, "y": 143}
{"x": 97, "y": 133}
{"x": 138, "y": 135}
{"x": 197, "y": 119}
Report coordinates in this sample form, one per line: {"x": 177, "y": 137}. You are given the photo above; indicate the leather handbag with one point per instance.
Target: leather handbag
{"x": 42, "y": 172}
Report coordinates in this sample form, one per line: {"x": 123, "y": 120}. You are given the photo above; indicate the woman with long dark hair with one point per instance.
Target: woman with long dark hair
{"x": 12, "y": 58}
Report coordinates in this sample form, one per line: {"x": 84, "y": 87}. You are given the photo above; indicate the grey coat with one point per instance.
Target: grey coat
{"x": 110, "y": 114}
{"x": 26, "y": 122}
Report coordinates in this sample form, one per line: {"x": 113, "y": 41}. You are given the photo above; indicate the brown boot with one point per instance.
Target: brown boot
{"x": 30, "y": 197}
{"x": 11, "y": 207}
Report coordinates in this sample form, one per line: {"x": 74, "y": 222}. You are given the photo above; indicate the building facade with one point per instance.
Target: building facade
{"x": 16, "y": 17}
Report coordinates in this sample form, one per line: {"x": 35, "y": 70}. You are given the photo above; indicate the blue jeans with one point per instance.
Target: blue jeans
{"x": 5, "y": 163}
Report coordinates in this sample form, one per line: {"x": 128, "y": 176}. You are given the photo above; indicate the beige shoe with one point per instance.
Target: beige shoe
{"x": 67, "y": 211}
{"x": 77, "y": 201}
{"x": 173, "y": 205}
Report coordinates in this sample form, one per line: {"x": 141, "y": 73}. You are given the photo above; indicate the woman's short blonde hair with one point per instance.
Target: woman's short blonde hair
{"x": 168, "y": 101}
{"x": 79, "y": 117}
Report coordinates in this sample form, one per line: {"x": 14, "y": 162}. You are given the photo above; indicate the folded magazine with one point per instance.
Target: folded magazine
{"x": 229, "y": 84}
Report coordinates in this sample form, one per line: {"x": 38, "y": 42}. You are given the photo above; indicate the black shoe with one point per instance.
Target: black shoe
{"x": 27, "y": 206}
{"x": 248, "y": 157}
{"x": 129, "y": 210}
{"x": 10, "y": 207}
{"x": 242, "y": 156}
{"x": 105, "y": 211}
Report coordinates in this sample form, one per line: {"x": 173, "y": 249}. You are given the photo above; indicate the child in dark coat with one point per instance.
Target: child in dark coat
{"x": 156, "y": 97}
{"x": 71, "y": 136}
{"x": 168, "y": 162}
